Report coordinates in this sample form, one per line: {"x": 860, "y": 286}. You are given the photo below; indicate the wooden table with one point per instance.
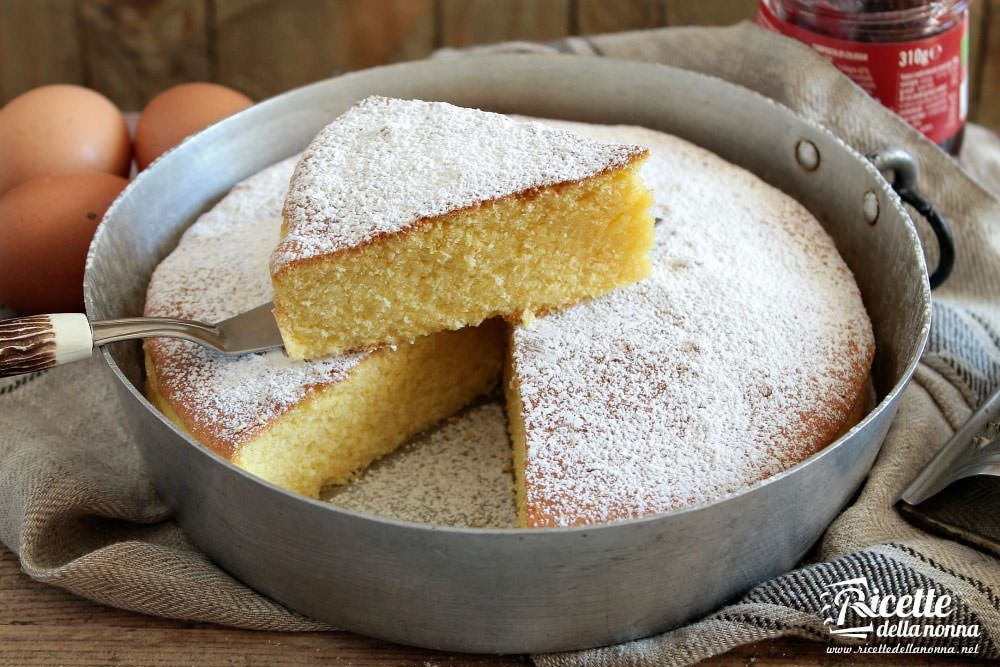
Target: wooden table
{"x": 44, "y": 625}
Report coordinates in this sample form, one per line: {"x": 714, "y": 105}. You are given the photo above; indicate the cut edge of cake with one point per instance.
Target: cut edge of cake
{"x": 520, "y": 228}
{"x": 339, "y": 429}
{"x": 591, "y": 375}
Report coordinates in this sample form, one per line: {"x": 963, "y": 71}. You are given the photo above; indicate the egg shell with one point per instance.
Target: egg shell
{"x": 179, "y": 112}
{"x": 46, "y": 225}
{"x": 60, "y": 129}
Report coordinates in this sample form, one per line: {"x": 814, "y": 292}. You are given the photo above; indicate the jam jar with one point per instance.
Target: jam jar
{"x": 910, "y": 55}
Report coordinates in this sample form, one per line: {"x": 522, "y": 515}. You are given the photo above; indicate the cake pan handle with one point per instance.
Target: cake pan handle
{"x": 904, "y": 183}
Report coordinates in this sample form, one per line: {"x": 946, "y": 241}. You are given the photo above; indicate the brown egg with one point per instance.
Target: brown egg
{"x": 46, "y": 225}
{"x": 59, "y": 129}
{"x": 179, "y": 112}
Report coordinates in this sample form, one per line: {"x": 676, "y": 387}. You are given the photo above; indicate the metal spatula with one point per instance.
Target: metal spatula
{"x": 974, "y": 449}
{"x": 37, "y": 342}
{"x": 958, "y": 493}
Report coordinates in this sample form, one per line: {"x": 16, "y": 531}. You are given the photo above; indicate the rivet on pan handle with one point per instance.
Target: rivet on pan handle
{"x": 904, "y": 182}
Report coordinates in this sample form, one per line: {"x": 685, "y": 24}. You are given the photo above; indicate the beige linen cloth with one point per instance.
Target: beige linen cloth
{"x": 79, "y": 511}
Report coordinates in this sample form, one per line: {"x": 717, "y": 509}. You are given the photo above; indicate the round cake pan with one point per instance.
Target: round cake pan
{"x": 513, "y": 590}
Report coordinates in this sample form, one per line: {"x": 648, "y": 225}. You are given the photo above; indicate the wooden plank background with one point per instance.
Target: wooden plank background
{"x": 131, "y": 49}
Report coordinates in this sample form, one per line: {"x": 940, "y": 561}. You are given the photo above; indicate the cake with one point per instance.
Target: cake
{"x": 746, "y": 351}
{"x": 300, "y": 425}
{"x": 406, "y": 218}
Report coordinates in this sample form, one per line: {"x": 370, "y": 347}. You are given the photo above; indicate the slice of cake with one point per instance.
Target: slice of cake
{"x": 406, "y": 218}
{"x": 746, "y": 351}
{"x": 300, "y": 425}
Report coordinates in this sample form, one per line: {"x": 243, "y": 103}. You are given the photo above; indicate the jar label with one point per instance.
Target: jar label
{"x": 925, "y": 81}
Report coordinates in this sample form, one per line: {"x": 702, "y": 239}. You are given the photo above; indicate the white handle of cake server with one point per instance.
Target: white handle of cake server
{"x": 36, "y": 342}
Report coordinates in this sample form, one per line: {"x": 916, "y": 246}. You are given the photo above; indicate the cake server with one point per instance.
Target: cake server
{"x": 958, "y": 492}
{"x": 974, "y": 449}
{"x": 36, "y": 342}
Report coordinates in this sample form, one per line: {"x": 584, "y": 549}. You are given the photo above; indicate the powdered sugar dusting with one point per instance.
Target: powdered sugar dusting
{"x": 733, "y": 361}
{"x": 385, "y": 164}
{"x": 218, "y": 270}
{"x": 458, "y": 474}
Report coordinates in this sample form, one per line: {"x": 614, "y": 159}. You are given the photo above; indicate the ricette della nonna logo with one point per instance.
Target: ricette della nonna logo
{"x": 914, "y": 620}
